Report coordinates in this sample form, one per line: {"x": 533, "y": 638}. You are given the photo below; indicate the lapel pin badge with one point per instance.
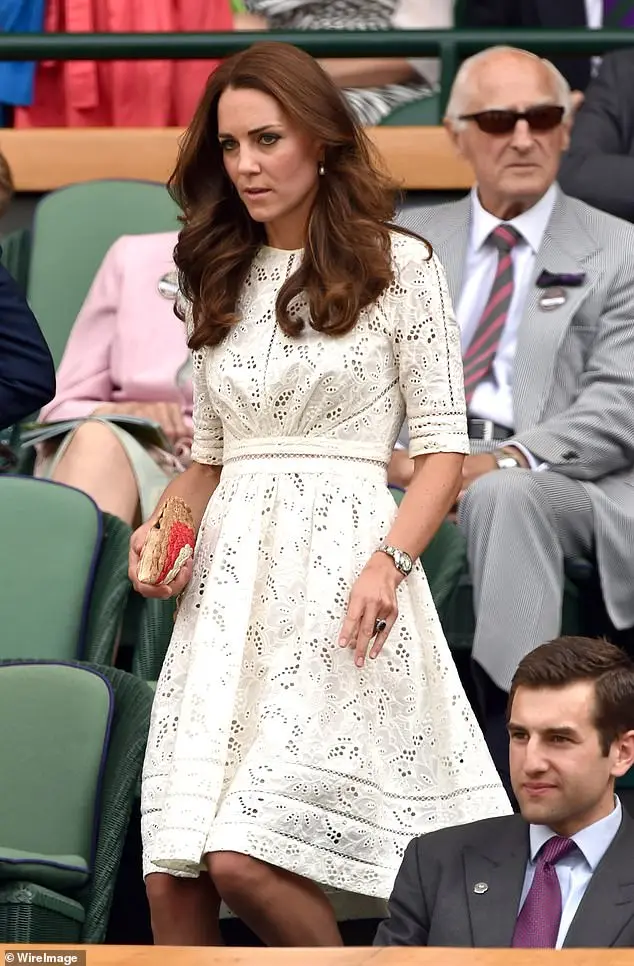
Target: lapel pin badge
{"x": 168, "y": 285}
{"x": 480, "y": 887}
{"x": 552, "y": 298}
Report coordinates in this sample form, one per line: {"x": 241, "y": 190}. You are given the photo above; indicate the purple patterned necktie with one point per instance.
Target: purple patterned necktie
{"x": 480, "y": 354}
{"x": 618, "y": 13}
{"x": 538, "y": 922}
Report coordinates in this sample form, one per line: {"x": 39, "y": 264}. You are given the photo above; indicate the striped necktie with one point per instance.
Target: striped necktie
{"x": 479, "y": 356}
{"x": 618, "y": 13}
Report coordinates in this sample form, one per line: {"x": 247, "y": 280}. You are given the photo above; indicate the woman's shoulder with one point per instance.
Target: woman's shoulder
{"x": 408, "y": 247}
{"x": 155, "y": 246}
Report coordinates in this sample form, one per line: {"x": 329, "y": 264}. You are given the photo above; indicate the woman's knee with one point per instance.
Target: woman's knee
{"x": 97, "y": 439}
{"x": 234, "y": 874}
{"x": 500, "y": 490}
{"x": 159, "y": 888}
{"x": 165, "y": 893}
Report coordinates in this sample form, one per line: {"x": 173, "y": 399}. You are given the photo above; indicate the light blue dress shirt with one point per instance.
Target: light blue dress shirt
{"x": 575, "y": 870}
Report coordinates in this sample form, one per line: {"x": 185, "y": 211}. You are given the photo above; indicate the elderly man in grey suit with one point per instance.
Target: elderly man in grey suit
{"x": 560, "y": 874}
{"x": 544, "y": 292}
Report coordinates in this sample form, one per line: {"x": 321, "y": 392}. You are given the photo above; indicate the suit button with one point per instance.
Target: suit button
{"x": 570, "y": 455}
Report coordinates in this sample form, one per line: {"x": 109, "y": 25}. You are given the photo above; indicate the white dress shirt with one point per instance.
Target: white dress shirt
{"x": 576, "y": 869}
{"x": 594, "y": 19}
{"x": 493, "y": 397}
{"x": 594, "y": 14}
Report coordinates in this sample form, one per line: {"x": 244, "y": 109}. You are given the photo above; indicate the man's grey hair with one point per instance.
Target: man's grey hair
{"x": 463, "y": 82}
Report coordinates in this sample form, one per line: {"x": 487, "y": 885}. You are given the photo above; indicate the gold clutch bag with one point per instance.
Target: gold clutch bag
{"x": 169, "y": 543}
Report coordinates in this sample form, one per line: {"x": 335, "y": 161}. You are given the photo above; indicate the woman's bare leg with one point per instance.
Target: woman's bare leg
{"x": 96, "y": 463}
{"x": 281, "y": 908}
{"x": 185, "y": 912}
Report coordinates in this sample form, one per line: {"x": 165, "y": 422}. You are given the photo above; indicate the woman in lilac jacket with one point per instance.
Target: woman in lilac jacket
{"x": 127, "y": 355}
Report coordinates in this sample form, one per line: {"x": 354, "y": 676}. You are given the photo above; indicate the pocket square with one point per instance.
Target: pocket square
{"x": 552, "y": 279}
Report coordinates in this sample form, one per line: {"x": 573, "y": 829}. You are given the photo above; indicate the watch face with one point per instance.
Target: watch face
{"x": 403, "y": 561}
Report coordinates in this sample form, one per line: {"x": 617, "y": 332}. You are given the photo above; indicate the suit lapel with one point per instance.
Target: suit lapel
{"x": 450, "y": 241}
{"x": 501, "y": 868}
{"x": 565, "y": 249}
{"x": 608, "y": 903}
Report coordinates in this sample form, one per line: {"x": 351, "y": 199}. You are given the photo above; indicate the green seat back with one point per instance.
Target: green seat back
{"x": 73, "y": 229}
{"x": 422, "y": 113}
{"x": 51, "y": 538}
{"x": 56, "y": 721}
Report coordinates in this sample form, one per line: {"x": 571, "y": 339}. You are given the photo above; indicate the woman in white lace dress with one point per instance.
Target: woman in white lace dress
{"x": 296, "y": 744}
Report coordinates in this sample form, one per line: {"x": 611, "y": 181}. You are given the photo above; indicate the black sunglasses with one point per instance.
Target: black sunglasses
{"x": 543, "y": 118}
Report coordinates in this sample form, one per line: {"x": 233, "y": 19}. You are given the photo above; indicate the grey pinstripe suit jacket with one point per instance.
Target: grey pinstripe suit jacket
{"x": 573, "y": 389}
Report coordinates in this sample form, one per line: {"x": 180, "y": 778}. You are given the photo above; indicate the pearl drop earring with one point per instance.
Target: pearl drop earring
{"x": 321, "y": 169}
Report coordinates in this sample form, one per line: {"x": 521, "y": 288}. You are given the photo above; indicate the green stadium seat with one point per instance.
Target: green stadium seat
{"x": 422, "y": 113}
{"x": 444, "y": 561}
{"x": 78, "y": 735}
{"x": 65, "y": 592}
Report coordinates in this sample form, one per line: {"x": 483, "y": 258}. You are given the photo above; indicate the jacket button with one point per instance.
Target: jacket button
{"x": 570, "y": 455}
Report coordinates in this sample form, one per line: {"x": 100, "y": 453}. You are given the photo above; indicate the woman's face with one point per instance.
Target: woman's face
{"x": 272, "y": 163}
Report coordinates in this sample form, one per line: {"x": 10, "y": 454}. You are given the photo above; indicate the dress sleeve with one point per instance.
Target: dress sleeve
{"x": 207, "y": 445}
{"x": 427, "y": 350}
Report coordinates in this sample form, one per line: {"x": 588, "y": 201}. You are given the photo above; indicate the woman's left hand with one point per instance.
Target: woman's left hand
{"x": 373, "y": 598}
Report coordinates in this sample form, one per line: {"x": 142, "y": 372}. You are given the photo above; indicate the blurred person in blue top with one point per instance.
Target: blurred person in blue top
{"x": 17, "y": 77}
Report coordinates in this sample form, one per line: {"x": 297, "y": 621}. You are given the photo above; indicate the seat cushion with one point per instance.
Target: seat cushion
{"x": 62, "y": 873}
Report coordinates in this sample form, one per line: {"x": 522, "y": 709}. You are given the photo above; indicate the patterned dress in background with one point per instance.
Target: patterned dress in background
{"x": 369, "y": 104}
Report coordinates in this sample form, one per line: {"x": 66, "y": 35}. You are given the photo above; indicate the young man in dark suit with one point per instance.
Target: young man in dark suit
{"x": 560, "y": 873}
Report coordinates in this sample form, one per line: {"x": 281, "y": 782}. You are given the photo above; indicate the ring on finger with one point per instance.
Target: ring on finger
{"x": 379, "y": 626}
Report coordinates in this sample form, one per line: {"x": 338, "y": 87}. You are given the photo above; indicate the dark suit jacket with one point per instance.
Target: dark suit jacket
{"x": 599, "y": 166}
{"x": 434, "y": 903}
{"x": 552, "y": 14}
{"x": 27, "y": 373}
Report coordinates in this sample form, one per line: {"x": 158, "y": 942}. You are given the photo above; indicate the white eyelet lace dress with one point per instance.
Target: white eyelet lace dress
{"x": 265, "y": 738}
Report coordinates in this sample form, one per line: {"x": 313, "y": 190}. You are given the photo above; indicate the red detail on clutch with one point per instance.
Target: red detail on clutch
{"x": 180, "y": 536}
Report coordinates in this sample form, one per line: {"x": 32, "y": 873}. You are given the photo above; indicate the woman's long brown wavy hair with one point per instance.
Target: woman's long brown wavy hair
{"x": 347, "y": 253}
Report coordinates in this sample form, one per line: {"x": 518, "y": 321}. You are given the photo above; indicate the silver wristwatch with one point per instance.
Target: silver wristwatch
{"x": 402, "y": 560}
{"x": 504, "y": 460}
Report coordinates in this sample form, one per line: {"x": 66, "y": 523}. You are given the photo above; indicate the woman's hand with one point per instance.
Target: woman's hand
{"x": 163, "y": 591}
{"x": 373, "y": 597}
{"x": 169, "y": 415}
{"x": 249, "y": 21}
